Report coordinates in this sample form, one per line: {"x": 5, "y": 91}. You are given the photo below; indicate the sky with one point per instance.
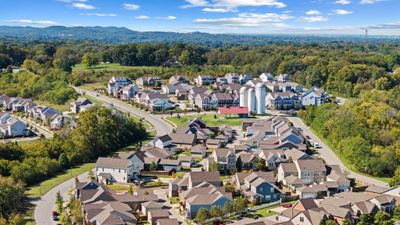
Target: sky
{"x": 380, "y": 17}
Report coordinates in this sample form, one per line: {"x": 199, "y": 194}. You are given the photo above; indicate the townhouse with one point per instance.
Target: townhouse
{"x": 225, "y": 158}
{"x": 149, "y": 81}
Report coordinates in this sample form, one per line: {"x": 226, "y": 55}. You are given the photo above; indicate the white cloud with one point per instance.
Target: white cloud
{"x": 249, "y": 20}
{"x": 194, "y": 3}
{"x": 99, "y": 14}
{"x": 313, "y": 12}
{"x": 342, "y": 12}
{"x": 131, "y": 6}
{"x": 313, "y": 19}
{"x": 343, "y": 2}
{"x": 234, "y": 3}
{"x": 365, "y": 2}
{"x": 80, "y": 5}
{"x": 170, "y": 18}
{"x": 142, "y": 17}
{"x": 35, "y": 22}
{"x": 221, "y": 10}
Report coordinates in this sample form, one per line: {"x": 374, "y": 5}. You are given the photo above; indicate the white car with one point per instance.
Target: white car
{"x": 316, "y": 144}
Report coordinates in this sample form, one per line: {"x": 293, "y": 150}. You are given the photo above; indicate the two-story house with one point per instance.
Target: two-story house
{"x": 110, "y": 170}
{"x": 311, "y": 171}
{"x": 204, "y": 80}
{"x": 117, "y": 83}
{"x": 225, "y": 158}
{"x": 163, "y": 142}
{"x": 313, "y": 96}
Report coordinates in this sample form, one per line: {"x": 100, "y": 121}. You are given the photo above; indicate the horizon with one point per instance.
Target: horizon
{"x": 292, "y": 17}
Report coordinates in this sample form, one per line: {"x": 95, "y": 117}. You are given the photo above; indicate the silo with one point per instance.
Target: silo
{"x": 251, "y": 100}
{"x": 261, "y": 91}
{"x": 243, "y": 96}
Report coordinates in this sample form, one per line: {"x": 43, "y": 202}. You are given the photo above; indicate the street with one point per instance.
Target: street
{"x": 330, "y": 157}
{"x": 160, "y": 126}
{"x": 46, "y": 203}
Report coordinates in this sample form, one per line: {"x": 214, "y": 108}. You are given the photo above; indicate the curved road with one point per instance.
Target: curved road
{"x": 46, "y": 203}
{"x": 162, "y": 127}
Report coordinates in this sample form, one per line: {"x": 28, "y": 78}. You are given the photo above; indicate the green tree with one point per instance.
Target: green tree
{"x": 202, "y": 215}
{"x": 65, "y": 219}
{"x": 260, "y": 164}
{"x": 395, "y": 180}
{"x": 59, "y": 202}
{"x": 216, "y": 211}
{"x": 89, "y": 60}
{"x": 382, "y": 218}
{"x": 11, "y": 195}
{"x": 396, "y": 213}
{"x": 63, "y": 161}
{"x": 153, "y": 166}
{"x": 228, "y": 208}
{"x": 214, "y": 167}
{"x": 240, "y": 203}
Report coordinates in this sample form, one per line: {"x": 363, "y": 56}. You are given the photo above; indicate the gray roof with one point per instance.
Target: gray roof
{"x": 115, "y": 163}
{"x": 316, "y": 165}
{"x": 183, "y": 138}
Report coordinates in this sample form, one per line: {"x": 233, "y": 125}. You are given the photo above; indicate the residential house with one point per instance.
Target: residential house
{"x": 259, "y": 190}
{"x": 244, "y": 78}
{"x": 60, "y": 121}
{"x": 149, "y": 81}
{"x": 163, "y": 142}
{"x": 225, "y": 158}
{"x": 183, "y": 141}
{"x": 186, "y": 160}
{"x": 313, "y": 96}
{"x": 11, "y": 126}
{"x": 156, "y": 214}
{"x": 267, "y": 77}
{"x": 151, "y": 205}
{"x": 156, "y": 153}
{"x": 272, "y": 158}
{"x": 195, "y": 91}
{"x": 44, "y": 113}
{"x": 167, "y": 222}
{"x": 232, "y": 78}
{"x": 311, "y": 171}
{"x": 282, "y": 78}
{"x": 115, "y": 84}
{"x": 199, "y": 151}
{"x": 79, "y": 104}
{"x": 246, "y": 161}
{"x": 214, "y": 143}
{"x": 282, "y": 100}
{"x": 297, "y": 88}
{"x": 196, "y": 178}
{"x": 114, "y": 170}
{"x": 137, "y": 159}
{"x": 204, "y": 80}
{"x": 128, "y": 92}
{"x": 170, "y": 165}
{"x": 178, "y": 78}
{"x": 284, "y": 86}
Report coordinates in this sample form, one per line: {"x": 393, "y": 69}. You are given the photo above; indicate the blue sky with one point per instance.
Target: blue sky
{"x": 212, "y": 16}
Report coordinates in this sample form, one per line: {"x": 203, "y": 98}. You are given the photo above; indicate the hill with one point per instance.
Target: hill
{"x": 125, "y": 35}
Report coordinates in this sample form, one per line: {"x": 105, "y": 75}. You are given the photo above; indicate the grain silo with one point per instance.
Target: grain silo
{"x": 243, "y": 96}
{"x": 261, "y": 91}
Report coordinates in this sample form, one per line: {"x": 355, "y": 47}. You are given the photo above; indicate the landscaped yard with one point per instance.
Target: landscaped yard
{"x": 45, "y": 186}
{"x": 265, "y": 212}
{"x": 207, "y": 118}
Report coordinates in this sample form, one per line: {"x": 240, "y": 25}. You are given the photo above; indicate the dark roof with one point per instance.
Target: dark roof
{"x": 204, "y": 176}
{"x": 115, "y": 163}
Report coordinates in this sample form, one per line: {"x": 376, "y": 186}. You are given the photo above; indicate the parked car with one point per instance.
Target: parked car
{"x": 54, "y": 214}
{"x": 316, "y": 144}
{"x": 308, "y": 137}
{"x": 286, "y": 205}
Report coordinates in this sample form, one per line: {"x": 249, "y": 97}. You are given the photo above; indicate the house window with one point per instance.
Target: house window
{"x": 272, "y": 189}
{"x": 301, "y": 219}
{"x": 261, "y": 189}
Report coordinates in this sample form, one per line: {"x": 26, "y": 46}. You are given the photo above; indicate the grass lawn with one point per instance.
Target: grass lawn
{"x": 95, "y": 101}
{"x": 112, "y": 67}
{"x": 94, "y": 86}
{"x": 207, "y": 118}
{"x": 265, "y": 212}
{"x": 174, "y": 200}
{"x": 120, "y": 187}
{"x": 60, "y": 108}
{"x": 45, "y": 186}
{"x": 349, "y": 165}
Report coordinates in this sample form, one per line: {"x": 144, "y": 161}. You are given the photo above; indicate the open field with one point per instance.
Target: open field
{"x": 60, "y": 108}
{"x": 45, "y": 186}
{"x": 209, "y": 119}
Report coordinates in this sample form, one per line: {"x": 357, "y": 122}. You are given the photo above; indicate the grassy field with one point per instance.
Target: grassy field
{"x": 349, "y": 165}
{"x": 60, "y": 108}
{"x": 112, "y": 67}
{"x": 45, "y": 186}
{"x": 94, "y": 86}
{"x": 209, "y": 119}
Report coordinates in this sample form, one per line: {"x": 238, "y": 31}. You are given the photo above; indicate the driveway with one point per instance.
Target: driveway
{"x": 330, "y": 157}
{"x": 174, "y": 208}
{"x": 160, "y": 126}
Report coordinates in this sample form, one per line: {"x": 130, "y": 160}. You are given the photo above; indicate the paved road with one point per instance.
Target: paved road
{"x": 46, "y": 203}
{"x": 161, "y": 127}
{"x": 330, "y": 157}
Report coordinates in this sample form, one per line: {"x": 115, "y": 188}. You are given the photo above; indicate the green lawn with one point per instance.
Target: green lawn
{"x": 94, "y": 86}
{"x": 112, "y": 66}
{"x": 265, "y": 212}
{"x": 45, "y": 186}
{"x": 60, "y": 108}
{"x": 207, "y": 118}
{"x": 174, "y": 200}
{"x": 120, "y": 187}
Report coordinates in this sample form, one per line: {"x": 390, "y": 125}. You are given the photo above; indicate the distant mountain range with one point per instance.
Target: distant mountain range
{"x": 124, "y": 35}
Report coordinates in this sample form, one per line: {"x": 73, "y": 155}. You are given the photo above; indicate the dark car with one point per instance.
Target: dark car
{"x": 308, "y": 137}
{"x": 54, "y": 214}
